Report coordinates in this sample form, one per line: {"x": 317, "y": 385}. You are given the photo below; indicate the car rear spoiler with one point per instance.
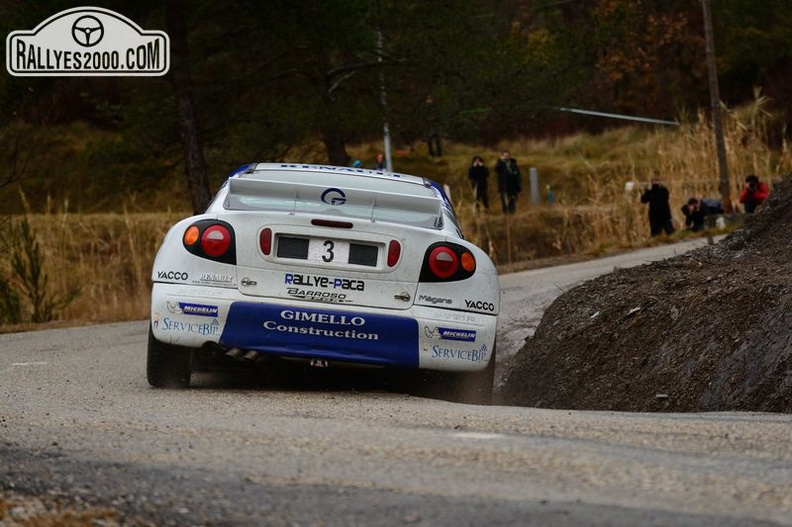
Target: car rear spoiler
{"x": 373, "y": 199}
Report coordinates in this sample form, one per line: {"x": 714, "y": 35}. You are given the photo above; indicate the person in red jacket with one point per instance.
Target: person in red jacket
{"x": 753, "y": 194}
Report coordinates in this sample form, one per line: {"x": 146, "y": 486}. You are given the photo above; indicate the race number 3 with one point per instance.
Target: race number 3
{"x": 329, "y": 255}
{"x": 328, "y": 251}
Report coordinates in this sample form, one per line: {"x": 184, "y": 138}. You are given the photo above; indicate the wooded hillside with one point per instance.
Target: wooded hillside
{"x": 305, "y": 80}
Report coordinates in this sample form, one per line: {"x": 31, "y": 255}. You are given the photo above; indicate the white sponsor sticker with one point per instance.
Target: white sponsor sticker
{"x": 87, "y": 41}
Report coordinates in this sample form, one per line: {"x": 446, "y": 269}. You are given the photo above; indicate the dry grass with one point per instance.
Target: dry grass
{"x": 590, "y": 175}
{"x": 109, "y": 256}
{"x": 18, "y": 510}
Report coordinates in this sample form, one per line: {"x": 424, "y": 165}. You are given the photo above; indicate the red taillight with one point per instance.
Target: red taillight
{"x": 443, "y": 262}
{"x": 394, "y": 253}
{"x": 216, "y": 240}
{"x": 447, "y": 262}
{"x": 265, "y": 241}
{"x": 212, "y": 239}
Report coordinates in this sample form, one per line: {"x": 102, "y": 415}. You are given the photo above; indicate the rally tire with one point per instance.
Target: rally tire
{"x": 168, "y": 366}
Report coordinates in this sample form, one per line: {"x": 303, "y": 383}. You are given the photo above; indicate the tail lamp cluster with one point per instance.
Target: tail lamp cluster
{"x": 447, "y": 262}
{"x": 443, "y": 261}
{"x": 394, "y": 253}
{"x": 211, "y": 239}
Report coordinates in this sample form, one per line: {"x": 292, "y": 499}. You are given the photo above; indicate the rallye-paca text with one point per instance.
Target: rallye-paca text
{"x": 324, "y": 282}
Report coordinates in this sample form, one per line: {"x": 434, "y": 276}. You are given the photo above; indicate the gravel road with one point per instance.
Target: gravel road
{"x": 77, "y": 419}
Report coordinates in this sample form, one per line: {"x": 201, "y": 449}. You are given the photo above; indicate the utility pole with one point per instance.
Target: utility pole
{"x": 384, "y": 101}
{"x": 717, "y": 120}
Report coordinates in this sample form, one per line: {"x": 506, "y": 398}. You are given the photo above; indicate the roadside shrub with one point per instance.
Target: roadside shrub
{"x": 27, "y": 282}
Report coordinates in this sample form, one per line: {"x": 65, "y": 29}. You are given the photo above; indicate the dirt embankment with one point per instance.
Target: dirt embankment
{"x": 708, "y": 330}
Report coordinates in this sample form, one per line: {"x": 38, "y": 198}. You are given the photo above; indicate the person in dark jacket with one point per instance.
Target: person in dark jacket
{"x": 697, "y": 209}
{"x": 478, "y": 174}
{"x": 509, "y": 181}
{"x": 656, "y": 195}
{"x": 433, "y": 142}
{"x": 754, "y": 193}
{"x": 379, "y": 162}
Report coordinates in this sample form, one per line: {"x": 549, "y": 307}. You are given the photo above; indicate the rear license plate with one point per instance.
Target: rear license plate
{"x": 327, "y": 250}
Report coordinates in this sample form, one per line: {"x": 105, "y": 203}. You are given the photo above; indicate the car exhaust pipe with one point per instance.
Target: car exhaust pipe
{"x": 235, "y": 353}
{"x": 319, "y": 363}
{"x": 251, "y": 355}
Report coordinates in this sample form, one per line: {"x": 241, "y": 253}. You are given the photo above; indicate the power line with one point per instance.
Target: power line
{"x": 619, "y": 116}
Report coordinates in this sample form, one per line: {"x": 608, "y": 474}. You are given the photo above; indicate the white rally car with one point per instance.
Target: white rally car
{"x": 331, "y": 266}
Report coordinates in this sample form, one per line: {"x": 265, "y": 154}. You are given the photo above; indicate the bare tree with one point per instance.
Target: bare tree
{"x": 197, "y": 180}
{"x": 19, "y": 162}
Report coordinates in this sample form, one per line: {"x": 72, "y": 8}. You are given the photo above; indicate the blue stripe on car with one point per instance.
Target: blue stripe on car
{"x": 326, "y": 334}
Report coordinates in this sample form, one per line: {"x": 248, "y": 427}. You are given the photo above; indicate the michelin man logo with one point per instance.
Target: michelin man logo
{"x": 433, "y": 333}
{"x": 465, "y": 335}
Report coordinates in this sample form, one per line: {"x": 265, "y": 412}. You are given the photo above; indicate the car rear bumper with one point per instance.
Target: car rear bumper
{"x": 419, "y": 337}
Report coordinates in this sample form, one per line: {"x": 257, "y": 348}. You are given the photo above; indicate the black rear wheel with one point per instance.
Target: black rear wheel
{"x": 168, "y": 366}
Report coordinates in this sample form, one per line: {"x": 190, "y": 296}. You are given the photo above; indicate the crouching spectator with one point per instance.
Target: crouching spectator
{"x": 697, "y": 209}
{"x": 753, "y": 194}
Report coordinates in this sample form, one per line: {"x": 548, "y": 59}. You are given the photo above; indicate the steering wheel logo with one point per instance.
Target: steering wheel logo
{"x": 334, "y": 196}
{"x": 87, "y": 31}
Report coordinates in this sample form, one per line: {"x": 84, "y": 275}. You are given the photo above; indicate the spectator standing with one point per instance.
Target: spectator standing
{"x": 379, "y": 162}
{"x": 656, "y": 195}
{"x": 433, "y": 129}
{"x": 697, "y": 209}
{"x": 478, "y": 173}
{"x": 509, "y": 181}
{"x": 753, "y": 194}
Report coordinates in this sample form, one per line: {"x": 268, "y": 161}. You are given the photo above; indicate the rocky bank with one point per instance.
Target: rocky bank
{"x": 710, "y": 330}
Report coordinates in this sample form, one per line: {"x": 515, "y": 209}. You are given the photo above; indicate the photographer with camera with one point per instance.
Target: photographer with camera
{"x": 753, "y": 194}
{"x": 696, "y": 210}
{"x": 656, "y": 195}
